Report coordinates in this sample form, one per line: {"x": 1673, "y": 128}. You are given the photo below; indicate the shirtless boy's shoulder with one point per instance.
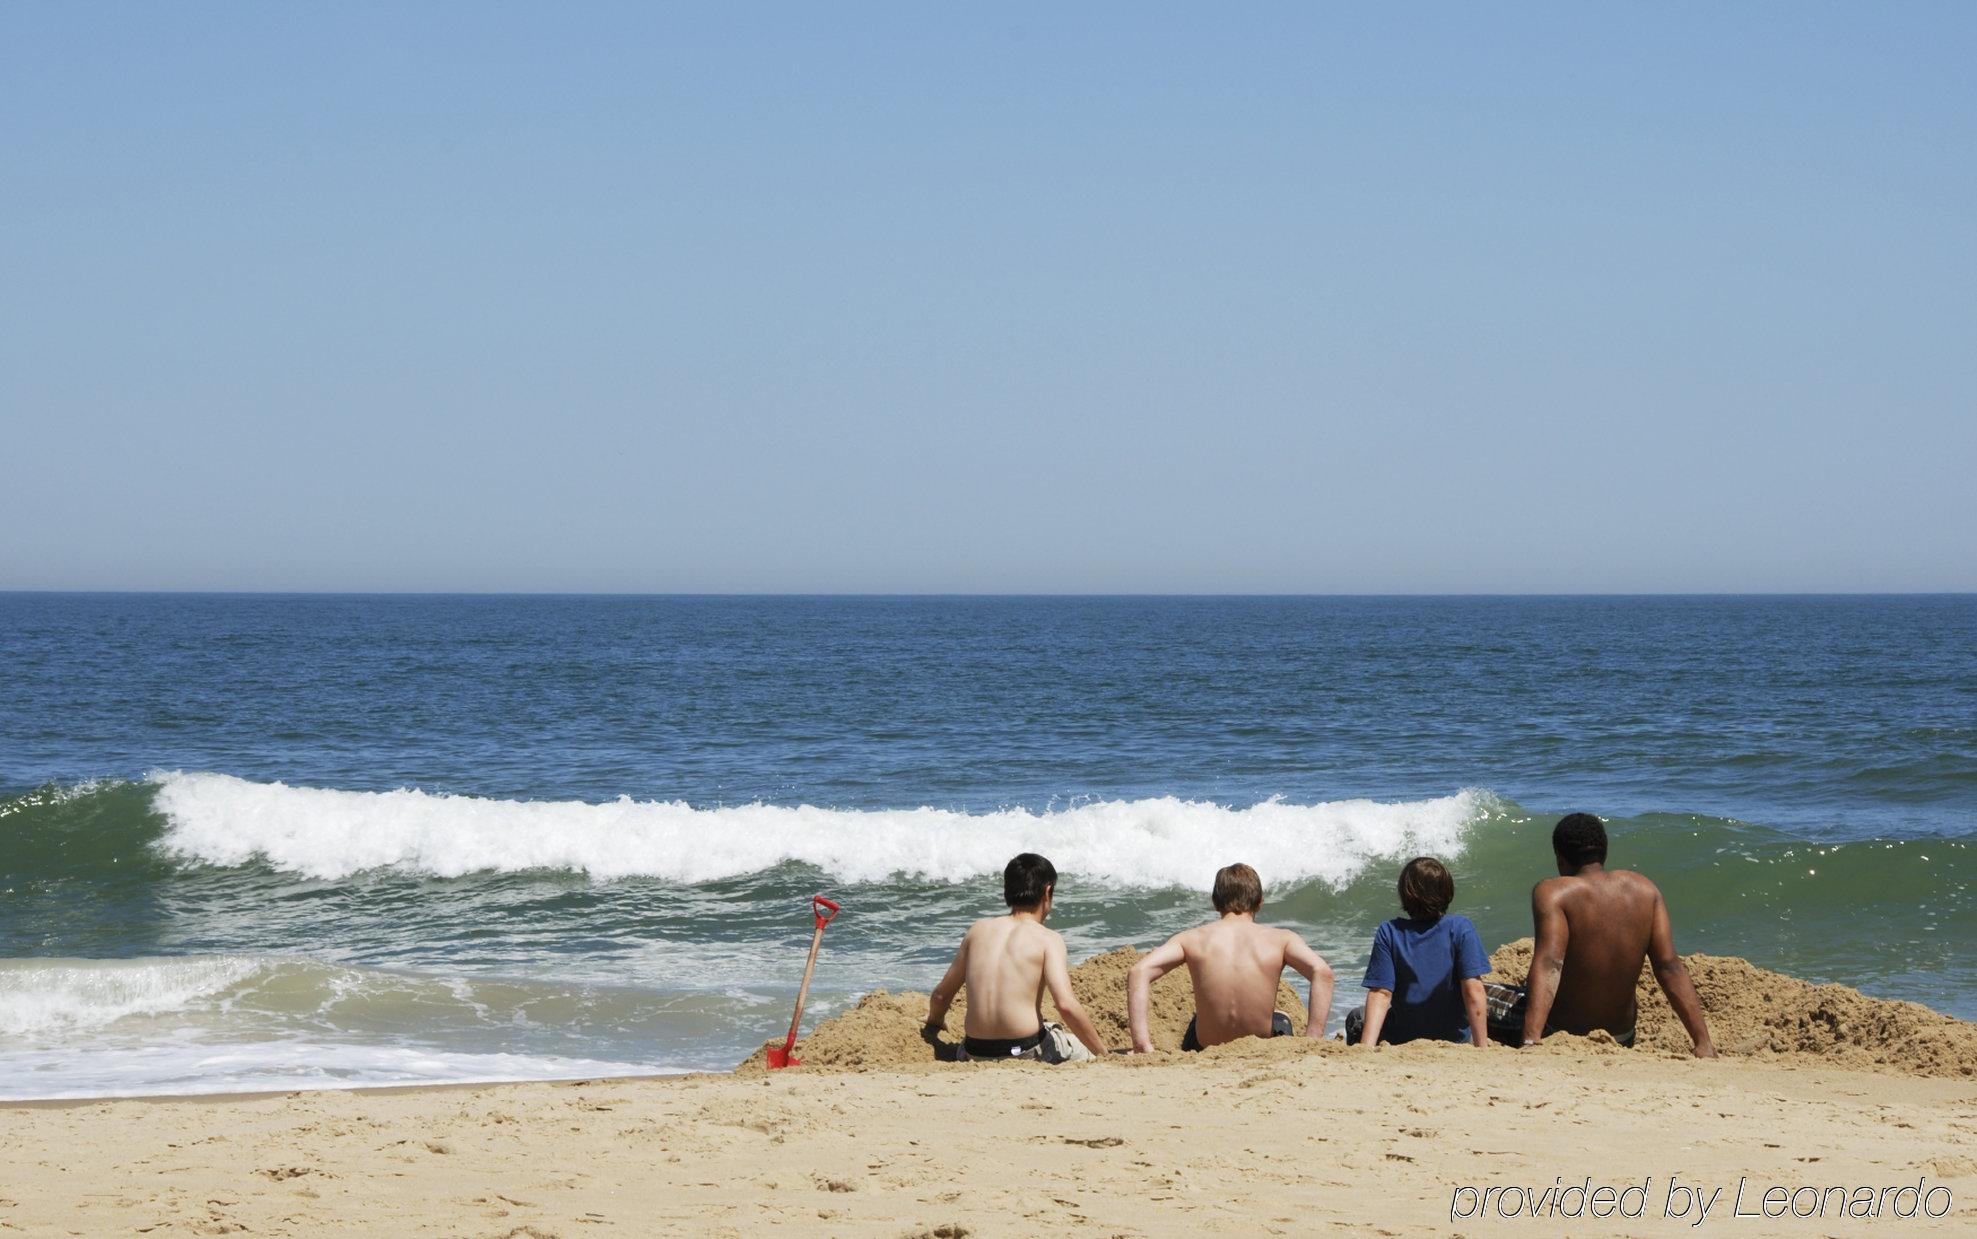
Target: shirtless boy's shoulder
{"x": 989, "y": 924}
{"x": 1199, "y": 937}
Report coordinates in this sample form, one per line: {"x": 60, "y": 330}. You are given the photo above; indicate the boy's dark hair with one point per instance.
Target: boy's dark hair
{"x": 1237, "y": 889}
{"x": 1580, "y": 840}
{"x": 1426, "y": 890}
{"x": 1025, "y": 879}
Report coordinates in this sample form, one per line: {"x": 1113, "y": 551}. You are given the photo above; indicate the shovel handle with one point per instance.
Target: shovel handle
{"x": 818, "y": 904}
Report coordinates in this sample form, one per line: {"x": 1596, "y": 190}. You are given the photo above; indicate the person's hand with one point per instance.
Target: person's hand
{"x": 930, "y": 1033}
{"x": 1705, "y": 1048}
{"x": 1142, "y": 1047}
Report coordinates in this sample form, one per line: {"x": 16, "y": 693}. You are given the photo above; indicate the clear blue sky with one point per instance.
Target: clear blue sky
{"x": 1057, "y": 298}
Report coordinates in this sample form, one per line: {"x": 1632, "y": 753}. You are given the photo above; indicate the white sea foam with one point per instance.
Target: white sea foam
{"x": 218, "y": 819}
{"x": 232, "y": 1023}
{"x": 58, "y": 996}
{"x": 201, "y": 1066}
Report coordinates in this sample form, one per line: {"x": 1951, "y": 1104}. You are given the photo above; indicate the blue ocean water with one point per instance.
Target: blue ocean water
{"x": 263, "y": 841}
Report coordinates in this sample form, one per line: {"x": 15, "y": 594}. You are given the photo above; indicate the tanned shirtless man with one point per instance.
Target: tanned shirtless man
{"x": 1594, "y": 926}
{"x": 1006, "y": 963}
{"x": 1235, "y": 965}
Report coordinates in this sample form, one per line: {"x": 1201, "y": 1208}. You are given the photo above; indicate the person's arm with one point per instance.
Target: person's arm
{"x": 1310, "y": 965}
{"x": 1471, "y": 965}
{"x": 1477, "y": 1004}
{"x": 1377, "y": 1002}
{"x": 1057, "y": 979}
{"x": 943, "y": 996}
{"x": 1378, "y": 984}
{"x": 1673, "y": 976}
{"x": 1547, "y": 961}
{"x": 1140, "y": 977}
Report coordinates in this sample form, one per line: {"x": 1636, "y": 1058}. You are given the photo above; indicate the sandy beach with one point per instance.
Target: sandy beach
{"x": 1260, "y": 1138}
{"x": 1275, "y": 1137}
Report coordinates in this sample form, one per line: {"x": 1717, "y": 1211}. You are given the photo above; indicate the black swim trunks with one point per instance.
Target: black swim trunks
{"x": 1049, "y": 1044}
{"x": 1280, "y": 1026}
{"x": 1506, "y": 1017}
{"x": 990, "y": 1048}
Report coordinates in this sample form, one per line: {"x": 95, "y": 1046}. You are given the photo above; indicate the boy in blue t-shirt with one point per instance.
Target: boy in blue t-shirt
{"x": 1424, "y": 977}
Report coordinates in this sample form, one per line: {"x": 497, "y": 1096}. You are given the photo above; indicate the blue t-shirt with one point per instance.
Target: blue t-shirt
{"x": 1424, "y": 964}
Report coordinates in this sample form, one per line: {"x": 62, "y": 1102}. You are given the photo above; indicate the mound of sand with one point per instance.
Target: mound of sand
{"x": 1753, "y": 1012}
{"x": 883, "y": 1030}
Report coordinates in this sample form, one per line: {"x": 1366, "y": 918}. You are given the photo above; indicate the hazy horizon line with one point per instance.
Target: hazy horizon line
{"x": 983, "y": 594}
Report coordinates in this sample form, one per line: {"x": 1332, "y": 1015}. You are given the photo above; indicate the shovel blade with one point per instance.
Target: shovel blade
{"x": 779, "y": 1056}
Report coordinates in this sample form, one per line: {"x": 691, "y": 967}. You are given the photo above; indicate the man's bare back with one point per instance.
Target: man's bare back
{"x": 1593, "y": 929}
{"x": 1609, "y": 919}
{"x": 1234, "y": 965}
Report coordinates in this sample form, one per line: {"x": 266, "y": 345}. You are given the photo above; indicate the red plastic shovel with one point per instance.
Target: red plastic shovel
{"x": 779, "y": 1055}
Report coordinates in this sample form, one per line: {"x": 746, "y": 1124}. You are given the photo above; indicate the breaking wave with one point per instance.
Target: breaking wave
{"x": 217, "y": 819}
{"x": 56, "y": 996}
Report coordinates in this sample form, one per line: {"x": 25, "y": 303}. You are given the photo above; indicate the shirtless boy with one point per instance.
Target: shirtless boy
{"x": 1235, "y": 965}
{"x": 1594, "y": 926}
{"x": 1007, "y": 962}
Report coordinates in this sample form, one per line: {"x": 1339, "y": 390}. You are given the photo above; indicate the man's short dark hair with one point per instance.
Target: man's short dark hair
{"x": 1237, "y": 889}
{"x": 1426, "y": 890}
{"x": 1025, "y": 879}
{"x": 1580, "y": 840}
